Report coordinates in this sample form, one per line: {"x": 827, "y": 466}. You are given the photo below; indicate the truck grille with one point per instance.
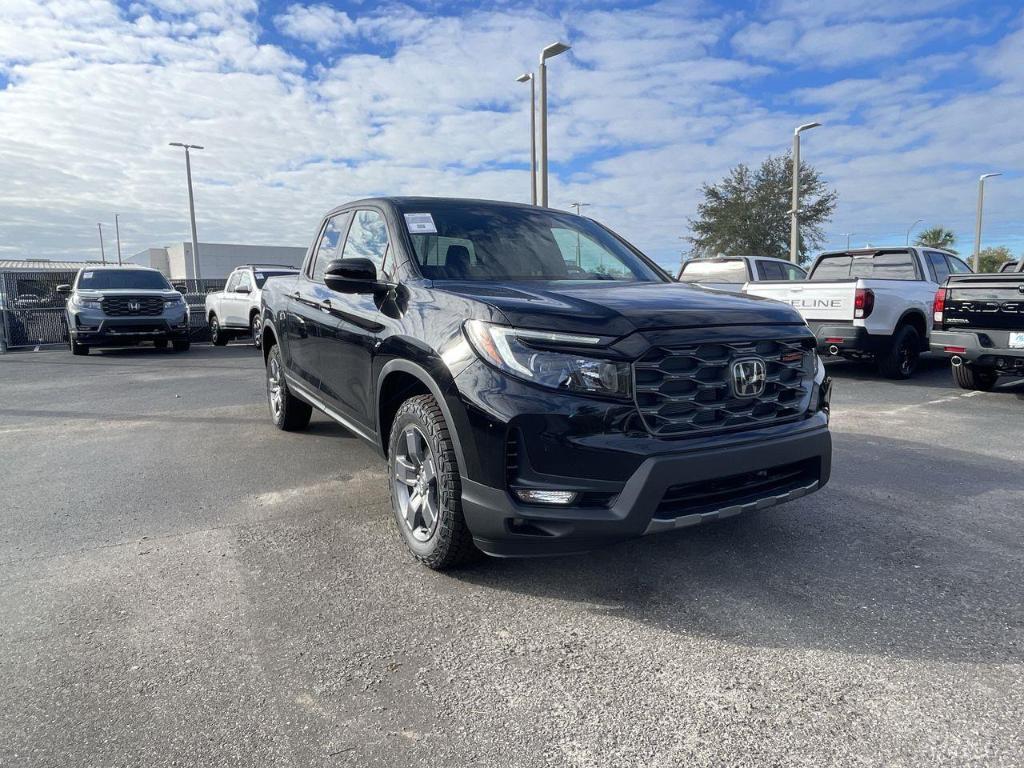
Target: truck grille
{"x": 689, "y": 390}
{"x": 121, "y": 306}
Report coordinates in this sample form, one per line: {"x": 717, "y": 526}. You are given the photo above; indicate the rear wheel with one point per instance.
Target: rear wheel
{"x": 900, "y": 360}
{"x": 217, "y": 335}
{"x": 980, "y": 379}
{"x": 256, "y": 328}
{"x": 426, "y": 492}
{"x": 287, "y": 411}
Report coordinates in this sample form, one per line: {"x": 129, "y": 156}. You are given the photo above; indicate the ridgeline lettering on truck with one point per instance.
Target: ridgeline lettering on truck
{"x": 979, "y": 322}
{"x": 536, "y": 384}
{"x": 871, "y": 302}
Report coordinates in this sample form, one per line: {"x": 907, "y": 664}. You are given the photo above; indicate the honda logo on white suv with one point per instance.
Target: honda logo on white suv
{"x": 748, "y": 377}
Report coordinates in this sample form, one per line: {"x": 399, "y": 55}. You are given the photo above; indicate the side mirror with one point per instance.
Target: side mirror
{"x": 64, "y": 290}
{"x": 243, "y": 289}
{"x": 351, "y": 276}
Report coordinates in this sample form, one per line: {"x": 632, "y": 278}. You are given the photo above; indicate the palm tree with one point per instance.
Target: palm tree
{"x": 937, "y": 237}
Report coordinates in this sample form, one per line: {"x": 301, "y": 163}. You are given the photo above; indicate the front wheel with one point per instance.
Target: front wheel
{"x": 426, "y": 492}
{"x": 160, "y": 343}
{"x": 76, "y": 348}
{"x": 900, "y": 360}
{"x": 181, "y": 345}
{"x": 287, "y": 411}
{"x": 979, "y": 379}
{"x": 256, "y": 328}
{"x": 217, "y": 335}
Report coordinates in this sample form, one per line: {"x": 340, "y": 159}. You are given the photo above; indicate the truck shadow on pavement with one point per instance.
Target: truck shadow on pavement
{"x": 890, "y": 559}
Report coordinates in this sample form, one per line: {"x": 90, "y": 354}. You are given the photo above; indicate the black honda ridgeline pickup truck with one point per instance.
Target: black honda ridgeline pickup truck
{"x": 537, "y": 385}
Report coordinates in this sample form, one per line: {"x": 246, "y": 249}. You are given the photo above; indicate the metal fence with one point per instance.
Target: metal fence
{"x": 32, "y": 312}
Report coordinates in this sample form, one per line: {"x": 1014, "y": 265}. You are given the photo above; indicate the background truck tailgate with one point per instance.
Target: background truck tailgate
{"x": 815, "y": 301}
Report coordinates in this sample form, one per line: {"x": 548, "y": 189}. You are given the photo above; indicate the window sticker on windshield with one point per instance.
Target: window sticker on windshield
{"x": 87, "y": 275}
{"x": 420, "y": 224}
{"x": 259, "y": 275}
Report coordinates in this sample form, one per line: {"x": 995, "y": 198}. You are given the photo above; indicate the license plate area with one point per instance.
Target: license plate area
{"x": 1016, "y": 339}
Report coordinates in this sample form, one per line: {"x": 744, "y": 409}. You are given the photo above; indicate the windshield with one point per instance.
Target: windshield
{"x": 892, "y": 265}
{"x": 709, "y": 271}
{"x": 479, "y": 241}
{"x": 113, "y": 279}
{"x": 262, "y": 275}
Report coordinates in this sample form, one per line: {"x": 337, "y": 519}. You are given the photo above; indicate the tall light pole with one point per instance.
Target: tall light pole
{"x": 794, "y": 229}
{"x": 579, "y": 207}
{"x": 912, "y": 229}
{"x": 528, "y": 77}
{"x": 848, "y": 234}
{"x": 117, "y": 232}
{"x": 103, "y": 255}
{"x": 548, "y": 53}
{"x": 191, "y": 205}
{"x": 977, "y": 221}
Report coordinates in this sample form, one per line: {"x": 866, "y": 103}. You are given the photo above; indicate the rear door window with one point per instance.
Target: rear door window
{"x": 939, "y": 265}
{"x": 770, "y": 270}
{"x": 956, "y": 266}
{"x": 793, "y": 272}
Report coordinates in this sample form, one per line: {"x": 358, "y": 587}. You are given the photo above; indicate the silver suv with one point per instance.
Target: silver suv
{"x": 124, "y": 306}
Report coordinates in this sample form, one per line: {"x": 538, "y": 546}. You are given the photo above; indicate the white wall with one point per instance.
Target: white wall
{"x": 217, "y": 260}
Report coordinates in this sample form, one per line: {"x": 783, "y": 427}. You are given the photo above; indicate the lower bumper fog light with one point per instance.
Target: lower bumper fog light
{"x": 533, "y": 496}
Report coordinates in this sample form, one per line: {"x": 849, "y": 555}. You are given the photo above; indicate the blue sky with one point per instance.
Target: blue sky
{"x": 302, "y": 106}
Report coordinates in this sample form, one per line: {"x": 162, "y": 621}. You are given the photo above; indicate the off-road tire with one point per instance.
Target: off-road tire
{"x": 217, "y": 334}
{"x": 256, "y": 329}
{"x": 901, "y": 359}
{"x": 293, "y": 414}
{"x": 76, "y": 348}
{"x": 979, "y": 379}
{"x": 451, "y": 543}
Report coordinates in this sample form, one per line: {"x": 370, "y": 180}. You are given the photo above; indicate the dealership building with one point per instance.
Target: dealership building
{"x": 216, "y": 260}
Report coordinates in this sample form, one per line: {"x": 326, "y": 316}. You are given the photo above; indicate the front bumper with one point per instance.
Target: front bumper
{"x": 990, "y": 349}
{"x": 93, "y": 328}
{"x": 666, "y": 491}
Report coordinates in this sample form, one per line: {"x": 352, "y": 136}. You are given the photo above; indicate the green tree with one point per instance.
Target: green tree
{"x": 747, "y": 212}
{"x": 991, "y": 259}
{"x": 937, "y": 237}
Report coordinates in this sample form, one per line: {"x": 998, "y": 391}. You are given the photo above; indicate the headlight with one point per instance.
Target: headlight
{"x": 83, "y": 303}
{"x": 174, "y": 301}
{"x": 508, "y": 349}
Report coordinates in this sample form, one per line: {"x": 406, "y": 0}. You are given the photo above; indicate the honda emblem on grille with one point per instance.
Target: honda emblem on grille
{"x": 134, "y": 306}
{"x": 748, "y": 377}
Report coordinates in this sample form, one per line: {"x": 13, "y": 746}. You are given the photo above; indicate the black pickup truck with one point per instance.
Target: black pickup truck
{"x": 536, "y": 384}
{"x": 979, "y": 322}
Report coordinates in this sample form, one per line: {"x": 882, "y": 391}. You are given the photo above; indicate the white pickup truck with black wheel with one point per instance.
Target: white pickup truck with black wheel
{"x": 870, "y": 303}
{"x": 235, "y": 311}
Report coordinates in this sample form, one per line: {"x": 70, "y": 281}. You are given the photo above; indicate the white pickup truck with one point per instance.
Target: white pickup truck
{"x": 870, "y": 302}
{"x": 235, "y": 311}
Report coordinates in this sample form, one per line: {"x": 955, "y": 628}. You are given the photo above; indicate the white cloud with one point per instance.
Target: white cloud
{"x": 319, "y": 25}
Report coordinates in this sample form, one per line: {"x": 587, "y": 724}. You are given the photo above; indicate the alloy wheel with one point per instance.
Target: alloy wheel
{"x": 415, "y": 484}
{"x": 274, "y": 385}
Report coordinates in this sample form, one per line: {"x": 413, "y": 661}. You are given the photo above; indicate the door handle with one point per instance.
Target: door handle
{"x": 297, "y": 295}
{"x": 325, "y": 305}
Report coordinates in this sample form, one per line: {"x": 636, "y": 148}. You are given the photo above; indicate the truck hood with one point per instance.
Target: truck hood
{"x": 616, "y": 309}
{"x": 87, "y": 293}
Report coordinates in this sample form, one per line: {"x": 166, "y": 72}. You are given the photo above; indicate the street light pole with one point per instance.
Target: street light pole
{"x": 528, "y": 76}
{"x": 912, "y": 229}
{"x": 977, "y": 221}
{"x": 191, "y": 205}
{"x": 117, "y": 232}
{"x": 794, "y": 229}
{"x": 549, "y": 52}
{"x": 103, "y": 255}
{"x": 848, "y": 238}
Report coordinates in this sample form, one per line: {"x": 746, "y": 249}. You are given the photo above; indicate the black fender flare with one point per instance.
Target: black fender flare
{"x": 421, "y": 374}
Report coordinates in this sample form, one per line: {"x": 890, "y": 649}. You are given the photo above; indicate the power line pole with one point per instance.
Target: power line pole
{"x": 117, "y": 231}
{"x": 103, "y": 255}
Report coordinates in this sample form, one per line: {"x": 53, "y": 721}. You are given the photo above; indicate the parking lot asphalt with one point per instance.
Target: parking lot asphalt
{"x": 182, "y": 584}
